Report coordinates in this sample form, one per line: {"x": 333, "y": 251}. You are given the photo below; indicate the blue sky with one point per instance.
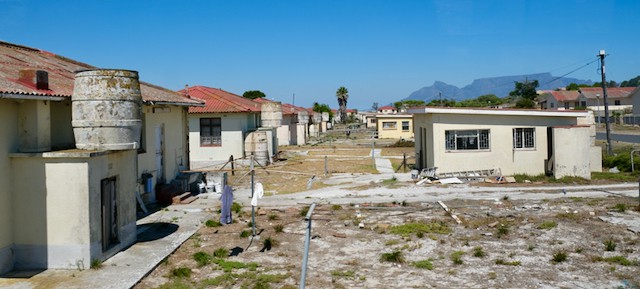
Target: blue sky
{"x": 380, "y": 50}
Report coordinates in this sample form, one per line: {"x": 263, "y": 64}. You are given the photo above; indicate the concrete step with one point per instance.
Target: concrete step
{"x": 189, "y": 200}
{"x": 179, "y": 198}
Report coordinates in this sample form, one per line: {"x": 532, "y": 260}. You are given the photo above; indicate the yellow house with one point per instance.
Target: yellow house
{"x": 397, "y": 126}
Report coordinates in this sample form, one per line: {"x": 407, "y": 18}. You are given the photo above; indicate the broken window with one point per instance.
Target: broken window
{"x": 405, "y": 126}
{"x": 389, "y": 125}
{"x": 524, "y": 138}
{"x": 211, "y": 131}
{"x": 467, "y": 139}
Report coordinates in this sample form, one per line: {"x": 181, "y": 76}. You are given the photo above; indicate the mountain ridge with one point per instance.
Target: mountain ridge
{"x": 500, "y": 86}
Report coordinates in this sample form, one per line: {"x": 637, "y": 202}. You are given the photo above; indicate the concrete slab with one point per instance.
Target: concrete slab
{"x": 159, "y": 235}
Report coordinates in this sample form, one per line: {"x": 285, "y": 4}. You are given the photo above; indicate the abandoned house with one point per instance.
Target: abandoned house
{"x": 533, "y": 142}
{"x": 77, "y": 146}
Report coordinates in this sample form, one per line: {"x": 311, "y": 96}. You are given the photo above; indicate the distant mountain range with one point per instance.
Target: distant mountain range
{"x": 500, "y": 86}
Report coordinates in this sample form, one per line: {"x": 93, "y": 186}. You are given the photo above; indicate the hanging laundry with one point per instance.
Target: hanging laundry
{"x": 226, "y": 200}
{"x": 258, "y": 192}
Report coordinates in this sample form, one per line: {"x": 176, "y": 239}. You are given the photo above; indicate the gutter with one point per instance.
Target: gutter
{"x": 150, "y": 102}
{"x": 31, "y": 96}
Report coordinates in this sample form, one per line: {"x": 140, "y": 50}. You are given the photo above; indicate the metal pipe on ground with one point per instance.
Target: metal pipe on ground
{"x": 305, "y": 256}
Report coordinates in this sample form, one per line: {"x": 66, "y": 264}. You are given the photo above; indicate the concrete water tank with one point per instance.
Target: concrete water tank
{"x": 257, "y": 143}
{"x": 303, "y": 117}
{"x": 106, "y": 109}
{"x": 271, "y": 114}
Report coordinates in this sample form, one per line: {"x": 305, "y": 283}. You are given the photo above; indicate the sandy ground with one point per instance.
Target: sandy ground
{"x": 353, "y": 227}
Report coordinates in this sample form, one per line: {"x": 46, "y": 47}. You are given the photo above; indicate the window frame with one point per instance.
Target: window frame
{"x": 520, "y": 140}
{"x": 393, "y": 127}
{"x": 214, "y": 122}
{"x": 408, "y": 125}
{"x": 452, "y": 142}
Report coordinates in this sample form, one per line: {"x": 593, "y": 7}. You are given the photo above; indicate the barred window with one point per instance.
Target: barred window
{"x": 467, "y": 139}
{"x": 524, "y": 138}
{"x": 210, "y": 131}
{"x": 405, "y": 126}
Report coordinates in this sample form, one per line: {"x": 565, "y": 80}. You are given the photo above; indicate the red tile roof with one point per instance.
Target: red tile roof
{"x": 219, "y": 101}
{"x": 61, "y": 72}
{"x": 386, "y": 107}
{"x": 564, "y": 95}
{"x": 612, "y": 92}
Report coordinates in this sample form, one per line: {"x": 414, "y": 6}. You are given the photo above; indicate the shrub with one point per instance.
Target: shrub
{"x": 181, "y": 272}
{"x": 610, "y": 245}
{"x": 621, "y": 159}
{"x": 212, "y": 223}
{"x": 304, "y": 211}
{"x": 96, "y": 264}
{"x": 273, "y": 217}
{"x": 279, "y": 228}
{"x": 335, "y": 208}
{"x": 237, "y": 208}
{"x": 502, "y": 230}
{"x": 559, "y": 256}
{"x": 413, "y": 228}
{"x": 394, "y": 257}
{"x": 456, "y": 257}
{"x": 221, "y": 252}
{"x": 245, "y": 233}
{"x": 503, "y": 262}
{"x": 202, "y": 258}
{"x": 423, "y": 264}
{"x": 478, "y": 252}
{"x": 620, "y": 208}
{"x": 547, "y": 225}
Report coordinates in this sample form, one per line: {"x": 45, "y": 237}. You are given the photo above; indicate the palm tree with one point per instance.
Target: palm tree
{"x": 343, "y": 95}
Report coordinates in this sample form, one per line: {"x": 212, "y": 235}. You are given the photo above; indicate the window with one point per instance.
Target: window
{"x": 405, "y": 126}
{"x": 552, "y": 105}
{"x": 566, "y": 105}
{"x": 467, "y": 139}
{"x": 617, "y": 102}
{"x": 210, "y": 131}
{"x": 583, "y": 104}
{"x": 389, "y": 125}
{"x": 524, "y": 138}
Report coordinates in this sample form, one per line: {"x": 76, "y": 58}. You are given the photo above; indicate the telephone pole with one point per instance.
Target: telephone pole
{"x": 606, "y": 104}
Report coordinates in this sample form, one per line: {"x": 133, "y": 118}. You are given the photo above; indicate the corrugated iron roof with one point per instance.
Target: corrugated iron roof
{"x": 219, "y": 101}
{"x": 612, "y": 92}
{"x": 61, "y": 73}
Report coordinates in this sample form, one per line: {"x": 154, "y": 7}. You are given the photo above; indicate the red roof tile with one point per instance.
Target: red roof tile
{"x": 386, "y": 107}
{"x": 612, "y": 92}
{"x": 61, "y": 73}
{"x": 219, "y": 101}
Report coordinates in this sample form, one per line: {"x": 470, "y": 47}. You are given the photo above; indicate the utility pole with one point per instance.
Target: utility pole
{"x": 294, "y": 99}
{"x": 606, "y": 104}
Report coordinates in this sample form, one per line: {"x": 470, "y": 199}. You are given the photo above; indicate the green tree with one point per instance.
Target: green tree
{"x": 442, "y": 102}
{"x": 575, "y": 86}
{"x": 404, "y": 104}
{"x": 374, "y": 106}
{"x": 526, "y": 89}
{"x": 321, "y": 107}
{"x": 631, "y": 82}
{"x": 343, "y": 95}
{"x": 253, "y": 94}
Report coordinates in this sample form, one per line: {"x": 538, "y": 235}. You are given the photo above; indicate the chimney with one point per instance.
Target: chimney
{"x": 186, "y": 91}
{"x": 36, "y": 78}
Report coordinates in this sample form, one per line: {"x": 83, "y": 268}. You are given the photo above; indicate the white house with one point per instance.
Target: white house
{"x": 64, "y": 203}
{"x": 514, "y": 141}
{"x": 218, "y": 129}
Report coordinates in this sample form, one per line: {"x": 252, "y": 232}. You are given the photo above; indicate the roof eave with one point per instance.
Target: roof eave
{"x": 151, "y": 102}
{"x": 31, "y": 96}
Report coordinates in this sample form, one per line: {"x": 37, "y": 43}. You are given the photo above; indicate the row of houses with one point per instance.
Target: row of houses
{"x": 619, "y": 99}
{"x": 69, "y": 197}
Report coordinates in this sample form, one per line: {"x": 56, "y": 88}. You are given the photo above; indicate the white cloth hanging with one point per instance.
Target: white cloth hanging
{"x": 258, "y": 192}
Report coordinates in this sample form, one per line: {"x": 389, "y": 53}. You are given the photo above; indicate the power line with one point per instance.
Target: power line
{"x": 572, "y": 71}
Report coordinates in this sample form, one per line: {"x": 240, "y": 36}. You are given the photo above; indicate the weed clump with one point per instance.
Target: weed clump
{"x": 181, "y": 272}
{"x": 456, "y": 257}
{"x": 559, "y": 256}
{"x": 423, "y": 264}
{"x": 212, "y": 223}
{"x": 202, "y": 258}
{"x": 503, "y": 262}
{"x": 278, "y": 228}
{"x": 547, "y": 225}
{"x": 394, "y": 257}
{"x": 610, "y": 245}
{"x": 221, "y": 252}
{"x": 245, "y": 233}
{"x": 478, "y": 252}
{"x": 420, "y": 227}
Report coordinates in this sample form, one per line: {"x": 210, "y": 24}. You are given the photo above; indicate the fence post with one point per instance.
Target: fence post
{"x": 373, "y": 155}
{"x": 326, "y": 166}
{"x": 305, "y": 256}
{"x": 233, "y": 167}
{"x": 253, "y": 208}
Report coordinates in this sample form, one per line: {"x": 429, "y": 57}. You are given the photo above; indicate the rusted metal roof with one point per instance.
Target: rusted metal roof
{"x": 17, "y": 59}
{"x": 612, "y": 92}
{"x": 219, "y": 101}
{"x": 564, "y": 95}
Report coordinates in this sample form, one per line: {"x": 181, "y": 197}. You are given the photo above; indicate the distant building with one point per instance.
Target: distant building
{"x": 396, "y": 126}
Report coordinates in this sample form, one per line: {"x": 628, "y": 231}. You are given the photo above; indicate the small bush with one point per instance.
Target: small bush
{"x": 559, "y": 256}
{"x": 221, "y": 252}
{"x": 96, "y": 264}
{"x": 413, "y": 228}
{"x": 394, "y": 257}
{"x": 304, "y": 211}
{"x": 181, "y": 272}
{"x": 279, "y": 228}
{"x": 456, "y": 257}
{"x": 478, "y": 252}
{"x": 336, "y": 207}
{"x": 547, "y": 225}
{"x": 610, "y": 245}
{"x": 228, "y": 266}
{"x": 423, "y": 264}
{"x": 202, "y": 258}
{"x": 503, "y": 262}
{"x": 502, "y": 230}
{"x": 237, "y": 208}
{"x": 245, "y": 233}
{"x": 273, "y": 217}
{"x": 618, "y": 260}
{"x": 212, "y": 223}
{"x": 620, "y": 208}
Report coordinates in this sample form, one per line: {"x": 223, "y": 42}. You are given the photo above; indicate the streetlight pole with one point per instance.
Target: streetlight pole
{"x": 598, "y": 115}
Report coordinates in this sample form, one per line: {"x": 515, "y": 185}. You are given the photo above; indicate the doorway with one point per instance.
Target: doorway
{"x": 109, "y": 208}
